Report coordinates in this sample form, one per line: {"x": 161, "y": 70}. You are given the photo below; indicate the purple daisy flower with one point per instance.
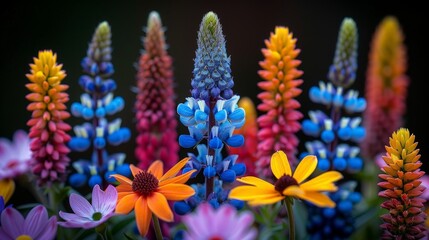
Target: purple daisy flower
{"x": 15, "y": 155}
{"x": 223, "y": 223}
{"x": 35, "y": 226}
{"x": 90, "y": 216}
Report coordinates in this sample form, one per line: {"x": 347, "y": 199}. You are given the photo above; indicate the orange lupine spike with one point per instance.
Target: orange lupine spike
{"x": 402, "y": 189}
{"x": 280, "y": 80}
{"x": 48, "y": 112}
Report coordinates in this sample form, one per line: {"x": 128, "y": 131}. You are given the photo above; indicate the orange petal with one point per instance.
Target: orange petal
{"x": 158, "y": 204}
{"x": 124, "y": 188}
{"x": 179, "y": 179}
{"x": 143, "y": 215}
{"x": 123, "y": 194}
{"x": 121, "y": 179}
{"x": 126, "y": 204}
{"x": 176, "y": 192}
{"x": 175, "y": 169}
{"x": 157, "y": 169}
{"x": 135, "y": 170}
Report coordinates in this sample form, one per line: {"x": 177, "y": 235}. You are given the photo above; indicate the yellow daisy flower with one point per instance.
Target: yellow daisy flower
{"x": 260, "y": 192}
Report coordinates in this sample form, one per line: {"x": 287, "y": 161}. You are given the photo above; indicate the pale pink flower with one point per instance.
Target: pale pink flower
{"x": 15, "y": 155}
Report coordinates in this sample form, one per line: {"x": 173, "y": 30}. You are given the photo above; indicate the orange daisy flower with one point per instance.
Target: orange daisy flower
{"x": 149, "y": 191}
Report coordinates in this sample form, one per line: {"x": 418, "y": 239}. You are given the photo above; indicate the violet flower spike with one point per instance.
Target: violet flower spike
{"x": 88, "y": 215}
{"x": 36, "y": 226}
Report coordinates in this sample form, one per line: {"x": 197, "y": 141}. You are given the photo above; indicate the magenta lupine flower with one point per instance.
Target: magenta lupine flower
{"x": 223, "y": 223}
{"x": 90, "y": 216}
{"x": 15, "y": 155}
{"x": 36, "y": 226}
{"x": 155, "y": 106}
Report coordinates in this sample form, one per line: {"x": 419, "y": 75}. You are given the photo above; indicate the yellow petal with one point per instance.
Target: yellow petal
{"x": 255, "y": 182}
{"x": 126, "y": 204}
{"x": 252, "y": 193}
{"x": 121, "y": 179}
{"x": 157, "y": 169}
{"x": 292, "y": 191}
{"x": 317, "y": 198}
{"x": 174, "y": 170}
{"x": 7, "y": 187}
{"x": 158, "y": 204}
{"x": 176, "y": 192}
{"x": 143, "y": 215}
{"x": 265, "y": 201}
{"x": 323, "y": 182}
{"x": 280, "y": 164}
{"x": 135, "y": 170}
{"x": 305, "y": 168}
{"x": 183, "y": 178}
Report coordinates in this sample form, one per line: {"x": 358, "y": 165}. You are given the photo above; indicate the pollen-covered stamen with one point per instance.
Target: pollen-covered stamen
{"x": 284, "y": 182}
{"x": 144, "y": 183}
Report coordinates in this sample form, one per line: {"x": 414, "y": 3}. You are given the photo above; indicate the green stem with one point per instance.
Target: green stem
{"x": 157, "y": 227}
{"x": 101, "y": 230}
{"x": 288, "y": 203}
{"x": 25, "y": 180}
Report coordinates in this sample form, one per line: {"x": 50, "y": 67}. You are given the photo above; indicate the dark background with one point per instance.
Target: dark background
{"x": 67, "y": 27}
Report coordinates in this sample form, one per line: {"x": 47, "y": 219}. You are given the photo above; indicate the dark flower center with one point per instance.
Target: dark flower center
{"x": 144, "y": 183}
{"x": 96, "y": 216}
{"x": 284, "y": 182}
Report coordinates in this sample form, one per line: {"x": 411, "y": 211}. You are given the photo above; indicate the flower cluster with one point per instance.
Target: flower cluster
{"x": 280, "y": 74}
{"x": 212, "y": 113}
{"x": 338, "y": 134}
{"x": 386, "y": 87}
{"x": 338, "y": 222}
{"x": 48, "y": 130}
{"x": 97, "y": 103}
{"x": 402, "y": 188}
{"x": 155, "y": 115}
{"x": 335, "y": 130}
{"x": 247, "y": 153}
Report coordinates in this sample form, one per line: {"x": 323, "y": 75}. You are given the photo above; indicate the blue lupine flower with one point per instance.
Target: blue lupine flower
{"x": 338, "y": 222}
{"x": 212, "y": 71}
{"x": 211, "y": 116}
{"x": 96, "y": 104}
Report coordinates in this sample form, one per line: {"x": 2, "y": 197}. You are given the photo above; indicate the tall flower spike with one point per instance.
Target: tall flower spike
{"x": 343, "y": 71}
{"x": 402, "y": 189}
{"x": 98, "y": 103}
{"x": 247, "y": 152}
{"x": 48, "y": 130}
{"x": 155, "y": 106}
{"x": 212, "y": 114}
{"x": 212, "y": 71}
{"x": 336, "y": 132}
{"x": 277, "y": 127}
{"x": 386, "y": 86}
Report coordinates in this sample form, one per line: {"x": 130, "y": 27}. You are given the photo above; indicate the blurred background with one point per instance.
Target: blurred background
{"x": 67, "y": 28}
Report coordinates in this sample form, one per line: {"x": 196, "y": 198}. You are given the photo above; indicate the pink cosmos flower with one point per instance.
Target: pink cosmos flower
{"x": 15, "y": 155}
{"x": 90, "y": 216}
{"x": 223, "y": 223}
{"x": 35, "y": 226}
